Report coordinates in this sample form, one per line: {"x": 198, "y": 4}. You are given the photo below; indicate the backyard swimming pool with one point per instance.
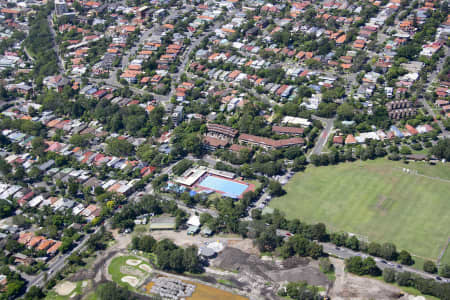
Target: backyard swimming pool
{"x": 227, "y": 187}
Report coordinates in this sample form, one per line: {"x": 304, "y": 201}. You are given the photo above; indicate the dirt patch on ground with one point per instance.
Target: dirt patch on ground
{"x": 261, "y": 278}
{"x": 145, "y": 267}
{"x": 348, "y": 286}
{"x": 181, "y": 239}
{"x": 236, "y": 260}
{"x": 130, "y": 271}
{"x": 309, "y": 273}
{"x": 131, "y": 280}
{"x": 133, "y": 262}
{"x": 295, "y": 261}
{"x": 65, "y": 288}
{"x": 244, "y": 245}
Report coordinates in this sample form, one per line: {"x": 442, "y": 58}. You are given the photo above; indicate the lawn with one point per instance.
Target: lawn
{"x": 120, "y": 269}
{"x": 376, "y": 199}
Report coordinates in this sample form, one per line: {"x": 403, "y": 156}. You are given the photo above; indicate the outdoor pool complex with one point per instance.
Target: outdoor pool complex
{"x": 227, "y": 187}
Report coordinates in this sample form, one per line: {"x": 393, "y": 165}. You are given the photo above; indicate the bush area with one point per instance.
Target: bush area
{"x": 170, "y": 257}
{"x": 40, "y": 43}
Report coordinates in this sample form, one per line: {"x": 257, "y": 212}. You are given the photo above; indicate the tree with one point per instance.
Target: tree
{"x": 5, "y": 168}
{"x": 315, "y": 250}
{"x": 442, "y": 149}
{"x": 339, "y": 239}
{"x": 267, "y": 241}
{"x": 118, "y": 147}
{"x": 111, "y": 291}
{"x": 358, "y": 266}
{"x": 38, "y": 144}
{"x": 256, "y": 214}
{"x": 405, "y": 258}
{"x": 147, "y": 243}
{"x": 182, "y": 166}
{"x": 34, "y": 293}
{"x": 370, "y": 267}
{"x": 374, "y": 249}
{"x": 325, "y": 265}
{"x": 405, "y": 150}
{"x": 389, "y": 275}
{"x": 388, "y": 251}
{"x": 275, "y": 188}
{"x": 404, "y": 279}
{"x": 191, "y": 261}
{"x": 6, "y": 209}
{"x": 445, "y": 271}
{"x": 35, "y": 174}
{"x": 355, "y": 265}
{"x": 429, "y": 267}
{"x": 301, "y": 291}
{"x": 73, "y": 187}
{"x": 353, "y": 243}
{"x": 319, "y": 232}
{"x": 345, "y": 111}
{"x": 176, "y": 260}
{"x": 81, "y": 140}
{"x": 75, "y": 259}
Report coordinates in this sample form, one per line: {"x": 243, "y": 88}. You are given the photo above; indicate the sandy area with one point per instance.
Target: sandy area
{"x": 348, "y": 286}
{"x": 133, "y": 262}
{"x": 145, "y": 267}
{"x": 183, "y": 240}
{"x": 65, "y": 288}
{"x": 84, "y": 284}
{"x": 131, "y": 280}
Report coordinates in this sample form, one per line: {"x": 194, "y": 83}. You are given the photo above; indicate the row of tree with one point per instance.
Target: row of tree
{"x": 425, "y": 286}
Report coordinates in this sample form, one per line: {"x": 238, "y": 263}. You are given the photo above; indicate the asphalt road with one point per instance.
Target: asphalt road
{"x": 344, "y": 253}
{"x": 323, "y": 138}
{"x": 430, "y": 81}
{"x": 55, "y": 45}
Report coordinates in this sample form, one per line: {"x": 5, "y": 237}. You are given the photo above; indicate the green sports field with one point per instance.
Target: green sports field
{"x": 378, "y": 200}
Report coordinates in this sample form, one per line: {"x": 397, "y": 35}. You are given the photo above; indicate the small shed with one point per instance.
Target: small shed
{"x": 163, "y": 223}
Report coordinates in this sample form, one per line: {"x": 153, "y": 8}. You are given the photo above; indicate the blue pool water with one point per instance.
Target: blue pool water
{"x": 228, "y": 187}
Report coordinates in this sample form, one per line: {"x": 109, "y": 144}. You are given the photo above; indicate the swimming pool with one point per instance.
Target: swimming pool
{"x": 225, "y": 186}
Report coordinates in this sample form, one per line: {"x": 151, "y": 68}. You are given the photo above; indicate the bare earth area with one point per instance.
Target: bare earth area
{"x": 131, "y": 280}
{"x": 65, "y": 288}
{"x": 348, "y": 286}
{"x": 133, "y": 262}
{"x": 261, "y": 278}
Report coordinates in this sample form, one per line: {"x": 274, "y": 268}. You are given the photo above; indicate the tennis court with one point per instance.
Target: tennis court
{"x": 224, "y": 186}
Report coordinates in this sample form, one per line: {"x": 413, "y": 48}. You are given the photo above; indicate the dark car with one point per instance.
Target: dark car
{"x": 399, "y": 266}
{"x": 438, "y": 278}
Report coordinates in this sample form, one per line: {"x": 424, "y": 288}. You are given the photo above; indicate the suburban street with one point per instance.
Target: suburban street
{"x": 172, "y": 109}
{"x": 55, "y": 45}
{"x": 430, "y": 80}
{"x": 344, "y": 253}
{"x": 58, "y": 263}
{"x": 324, "y": 135}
